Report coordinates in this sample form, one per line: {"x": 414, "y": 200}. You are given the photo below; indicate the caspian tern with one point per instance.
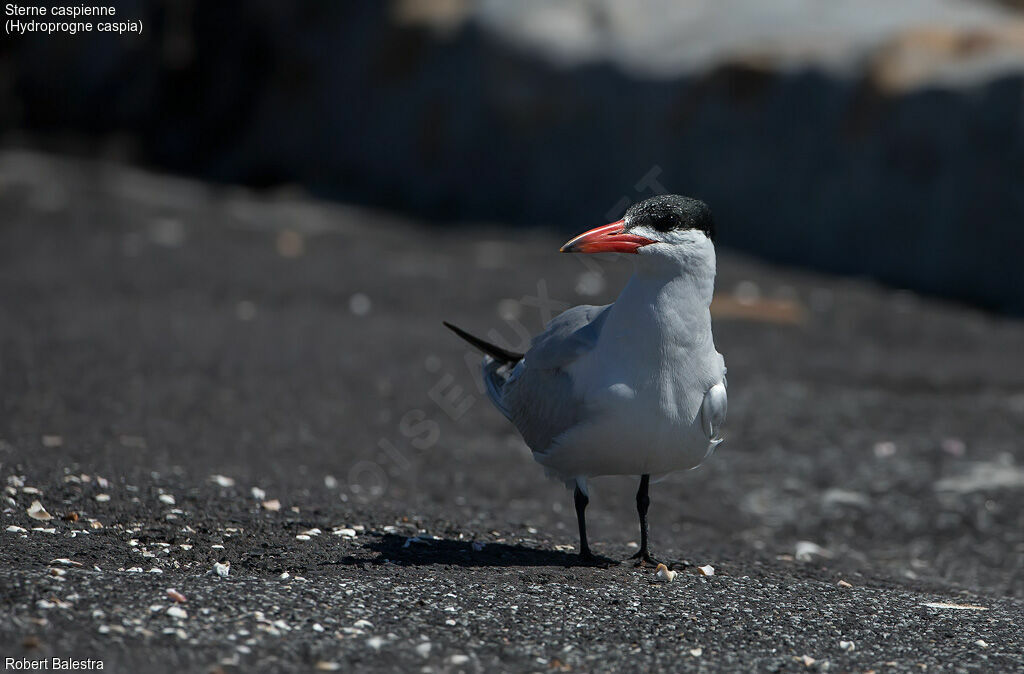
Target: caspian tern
{"x": 635, "y": 387}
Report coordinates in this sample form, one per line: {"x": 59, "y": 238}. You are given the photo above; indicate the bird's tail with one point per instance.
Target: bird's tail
{"x": 493, "y": 350}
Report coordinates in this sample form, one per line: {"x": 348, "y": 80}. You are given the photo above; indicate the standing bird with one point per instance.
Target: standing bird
{"x": 635, "y": 387}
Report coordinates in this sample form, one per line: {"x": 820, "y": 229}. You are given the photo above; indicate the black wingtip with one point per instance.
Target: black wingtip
{"x": 492, "y": 350}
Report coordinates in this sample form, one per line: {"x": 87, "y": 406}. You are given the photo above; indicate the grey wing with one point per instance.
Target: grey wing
{"x": 537, "y": 393}
{"x": 567, "y": 337}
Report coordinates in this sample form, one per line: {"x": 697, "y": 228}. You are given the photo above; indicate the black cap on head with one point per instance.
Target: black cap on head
{"x": 669, "y": 212}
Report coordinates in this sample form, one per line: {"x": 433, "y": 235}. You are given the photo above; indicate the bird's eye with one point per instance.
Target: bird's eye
{"x": 663, "y": 224}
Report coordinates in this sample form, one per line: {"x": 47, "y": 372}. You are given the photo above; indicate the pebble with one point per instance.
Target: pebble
{"x": 697, "y": 652}
{"x": 222, "y": 569}
{"x": 176, "y": 596}
{"x": 273, "y": 505}
{"x": 847, "y": 645}
{"x": 458, "y": 659}
{"x": 423, "y": 649}
{"x": 15, "y": 529}
{"x": 177, "y": 612}
{"x": 884, "y": 450}
{"x": 302, "y": 537}
{"x": 955, "y": 607}
{"x": 166, "y": 498}
{"x": 360, "y": 304}
{"x": 843, "y": 583}
{"x": 806, "y": 551}
{"x": 102, "y": 498}
{"x": 222, "y": 480}
{"x": 375, "y": 643}
{"x": 345, "y": 532}
{"x": 327, "y": 666}
{"x": 706, "y": 570}
{"x": 363, "y": 625}
{"x": 258, "y": 494}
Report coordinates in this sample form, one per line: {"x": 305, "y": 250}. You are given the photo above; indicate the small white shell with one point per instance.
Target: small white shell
{"x": 37, "y": 512}
{"x": 665, "y": 574}
{"x": 706, "y": 570}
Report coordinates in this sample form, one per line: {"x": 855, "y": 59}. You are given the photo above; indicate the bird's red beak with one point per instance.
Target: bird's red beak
{"x": 610, "y": 238}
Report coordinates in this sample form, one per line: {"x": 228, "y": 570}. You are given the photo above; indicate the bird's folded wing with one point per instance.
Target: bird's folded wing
{"x": 538, "y": 395}
{"x": 568, "y": 336}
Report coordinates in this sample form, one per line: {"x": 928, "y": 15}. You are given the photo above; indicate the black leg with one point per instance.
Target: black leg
{"x": 581, "y": 501}
{"x": 643, "y": 502}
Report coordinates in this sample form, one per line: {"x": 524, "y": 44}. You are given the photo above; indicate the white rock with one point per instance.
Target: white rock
{"x": 37, "y": 512}
{"x": 345, "y": 532}
{"x": 302, "y": 537}
{"x": 258, "y": 494}
{"x": 375, "y": 643}
{"x": 166, "y": 498}
{"x": 177, "y": 612}
{"x": 222, "y": 569}
{"x": 955, "y": 607}
{"x": 102, "y": 498}
{"x": 14, "y": 529}
{"x": 982, "y": 643}
{"x": 806, "y": 550}
{"x": 706, "y": 570}
{"x": 423, "y": 649}
{"x": 458, "y": 659}
{"x": 156, "y": 570}
{"x": 273, "y": 505}
{"x": 363, "y": 625}
{"x": 847, "y": 645}
{"x": 317, "y": 627}
{"x": 696, "y": 652}
{"x": 222, "y": 480}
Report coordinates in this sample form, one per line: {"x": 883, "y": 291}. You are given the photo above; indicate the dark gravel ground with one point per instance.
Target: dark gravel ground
{"x": 865, "y": 512}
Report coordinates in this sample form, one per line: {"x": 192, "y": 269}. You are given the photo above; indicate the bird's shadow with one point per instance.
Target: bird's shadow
{"x": 428, "y": 551}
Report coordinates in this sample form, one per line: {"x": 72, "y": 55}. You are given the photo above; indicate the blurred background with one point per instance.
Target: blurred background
{"x": 859, "y": 136}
